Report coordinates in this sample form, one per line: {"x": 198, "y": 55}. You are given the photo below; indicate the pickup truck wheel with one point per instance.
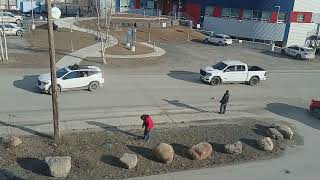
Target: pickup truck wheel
{"x": 206, "y": 41}
{"x": 93, "y": 86}
{"x": 283, "y": 51}
{"x": 18, "y": 21}
{"x": 19, "y": 33}
{"x": 50, "y": 90}
{"x": 220, "y": 43}
{"x": 298, "y": 56}
{"x": 215, "y": 81}
{"x": 254, "y": 81}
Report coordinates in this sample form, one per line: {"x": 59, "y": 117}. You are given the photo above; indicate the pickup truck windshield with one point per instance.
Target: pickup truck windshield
{"x": 220, "y": 66}
{"x": 61, "y": 72}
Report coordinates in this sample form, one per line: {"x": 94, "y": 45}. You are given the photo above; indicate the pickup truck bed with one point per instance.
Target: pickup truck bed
{"x": 255, "y": 68}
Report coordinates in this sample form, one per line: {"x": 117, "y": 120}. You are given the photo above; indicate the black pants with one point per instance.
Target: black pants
{"x": 223, "y": 108}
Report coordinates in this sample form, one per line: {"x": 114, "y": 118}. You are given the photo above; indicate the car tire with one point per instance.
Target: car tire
{"x": 19, "y": 33}
{"x": 215, "y": 81}
{"x": 283, "y": 51}
{"x": 50, "y": 90}
{"x": 220, "y": 43}
{"x": 18, "y": 21}
{"x": 298, "y": 56}
{"x": 254, "y": 81}
{"x": 93, "y": 86}
{"x": 206, "y": 41}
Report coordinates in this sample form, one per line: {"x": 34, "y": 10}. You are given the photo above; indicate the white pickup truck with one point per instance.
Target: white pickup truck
{"x": 232, "y": 72}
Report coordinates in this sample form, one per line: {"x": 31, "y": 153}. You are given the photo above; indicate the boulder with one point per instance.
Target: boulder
{"x": 59, "y": 166}
{"x": 129, "y": 160}
{"x": 200, "y": 151}
{"x": 235, "y": 148}
{"x": 265, "y": 144}
{"x": 164, "y": 152}
{"x": 284, "y": 130}
{"x": 12, "y": 141}
{"x": 274, "y": 134}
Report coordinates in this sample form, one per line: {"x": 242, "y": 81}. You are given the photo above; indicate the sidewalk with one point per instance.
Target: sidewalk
{"x": 91, "y": 51}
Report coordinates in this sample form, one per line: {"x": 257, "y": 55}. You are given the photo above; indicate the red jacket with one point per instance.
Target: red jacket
{"x": 149, "y": 123}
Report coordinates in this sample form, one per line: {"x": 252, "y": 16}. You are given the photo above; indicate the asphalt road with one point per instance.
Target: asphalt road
{"x": 173, "y": 87}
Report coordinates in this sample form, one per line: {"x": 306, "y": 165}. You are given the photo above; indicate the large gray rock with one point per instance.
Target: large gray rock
{"x": 274, "y": 134}
{"x": 235, "y": 148}
{"x": 59, "y": 166}
{"x": 200, "y": 151}
{"x": 164, "y": 152}
{"x": 129, "y": 160}
{"x": 12, "y": 141}
{"x": 265, "y": 144}
{"x": 284, "y": 130}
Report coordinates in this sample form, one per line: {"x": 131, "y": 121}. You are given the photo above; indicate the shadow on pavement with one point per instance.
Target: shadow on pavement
{"x": 26, "y": 130}
{"x": 181, "y": 150}
{"x": 143, "y": 151}
{"x": 218, "y": 147}
{"x": 5, "y": 174}
{"x": 261, "y": 130}
{"x": 113, "y": 129}
{"x": 179, "y": 104}
{"x": 295, "y": 113}
{"x": 250, "y": 142}
{"x": 34, "y": 165}
{"x": 112, "y": 161}
{"x": 28, "y": 83}
{"x": 186, "y": 76}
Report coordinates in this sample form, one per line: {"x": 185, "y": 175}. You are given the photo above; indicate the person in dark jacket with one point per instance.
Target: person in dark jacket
{"x": 224, "y": 101}
{"x": 148, "y": 125}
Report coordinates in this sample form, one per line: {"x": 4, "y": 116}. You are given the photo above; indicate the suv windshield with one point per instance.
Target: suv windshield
{"x": 61, "y": 72}
{"x": 309, "y": 50}
{"x": 220, "y": 66}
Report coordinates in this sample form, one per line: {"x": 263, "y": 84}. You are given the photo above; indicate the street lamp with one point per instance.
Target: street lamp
{"x": 33, "y": 26}
{"x": 278, "y": 7}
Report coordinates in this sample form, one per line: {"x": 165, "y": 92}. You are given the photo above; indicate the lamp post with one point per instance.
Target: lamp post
{"x": 278, "y": 7}
{"x": 33, "y": 26}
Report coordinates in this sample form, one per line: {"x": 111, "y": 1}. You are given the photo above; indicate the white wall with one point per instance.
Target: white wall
{"x": 299, "y": 32}
{"x": 307, "y": 6}
{"x": 246, "y": 29}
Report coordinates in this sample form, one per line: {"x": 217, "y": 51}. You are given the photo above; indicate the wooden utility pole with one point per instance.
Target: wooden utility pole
{"x": 54, "y": 92}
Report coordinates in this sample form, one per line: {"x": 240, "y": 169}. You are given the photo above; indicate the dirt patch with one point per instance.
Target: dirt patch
{"x": 37, "y": 55}
{"x": 168, "y": 34}
{"x": 121, "y": 49}
{"x": 96, "y": 155}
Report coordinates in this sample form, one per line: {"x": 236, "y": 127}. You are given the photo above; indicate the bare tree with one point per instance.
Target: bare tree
{"x": 104, "y": 31}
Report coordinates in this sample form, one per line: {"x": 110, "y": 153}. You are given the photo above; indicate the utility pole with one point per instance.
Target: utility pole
{"x": 54, "y": 93}
{"x": 33, "y": 26}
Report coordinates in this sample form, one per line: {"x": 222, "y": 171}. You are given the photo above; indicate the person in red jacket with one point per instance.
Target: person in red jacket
{"x": 148, "y": 125}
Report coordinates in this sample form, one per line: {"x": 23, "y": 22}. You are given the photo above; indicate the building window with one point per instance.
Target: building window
{"x": 209, "y": 11}
{"x": 247, "y": 14}
{"x": 282, "y": 18}
{"x": 230, "y": 13}
{"x": 256, "y": 15}
{"x": 266, "y": 16}
{"x": 300, "y": 18}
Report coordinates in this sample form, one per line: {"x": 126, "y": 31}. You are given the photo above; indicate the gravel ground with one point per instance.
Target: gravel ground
{"x": 95, "y": 155}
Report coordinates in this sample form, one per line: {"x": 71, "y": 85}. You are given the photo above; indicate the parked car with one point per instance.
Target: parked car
{"x": 10, "y": 17}
{"x": 12, "y": 29}
{"x": 299, "y": 52}
{"x": 232, "y": 71}
{"x": 73, "y": 78}
{"x": 219, "y": 39}
{"x": 315, "y": 107}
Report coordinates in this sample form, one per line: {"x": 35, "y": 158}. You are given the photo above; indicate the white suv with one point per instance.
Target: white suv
{"x": 12, "y": 29}
{"x": 219, "y": 39}
{"x": 299, "y": 52}
{"x": 72, "y": 78}
{"x": 10, "y": 17}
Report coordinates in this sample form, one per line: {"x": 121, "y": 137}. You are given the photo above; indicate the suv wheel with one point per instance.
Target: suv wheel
{"x": 215, "y": 81}
{"x": 254, "y": 81}
{"x": 206, "y": 41}
{"x": 19, "y": 33}
{"x": 283, "y": 51}
{"x": 220, "y": 43}
{"x": 298, "y": 56}
{"x": 93, "y": 86}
